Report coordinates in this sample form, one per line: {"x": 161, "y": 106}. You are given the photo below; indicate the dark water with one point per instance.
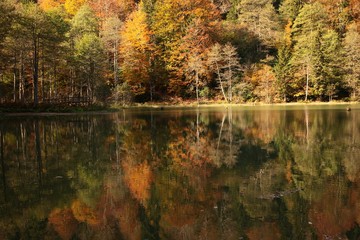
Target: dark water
{"x": 237, "y": 173}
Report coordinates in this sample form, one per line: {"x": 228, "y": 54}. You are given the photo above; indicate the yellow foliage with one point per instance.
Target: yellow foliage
{"x": 48, "y": 5}
{"x": 135, "y": 49}
{"x": 72, "y": 6}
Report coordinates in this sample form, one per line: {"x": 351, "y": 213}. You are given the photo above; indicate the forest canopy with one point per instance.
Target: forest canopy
{"x": 127, "y": 51}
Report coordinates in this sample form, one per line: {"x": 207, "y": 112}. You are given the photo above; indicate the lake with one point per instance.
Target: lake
{"x": 281, "y": 172}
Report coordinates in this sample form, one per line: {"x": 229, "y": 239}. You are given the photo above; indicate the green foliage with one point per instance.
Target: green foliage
{"x": 84, "y": 22}
{"x": 58, "y": 48}
{"x": 352, "y": 60}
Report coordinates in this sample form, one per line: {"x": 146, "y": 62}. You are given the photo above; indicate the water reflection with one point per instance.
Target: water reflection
{"x": 191, "y": 174}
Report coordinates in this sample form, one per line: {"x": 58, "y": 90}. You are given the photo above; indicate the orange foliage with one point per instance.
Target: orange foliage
{"x": 107, "y": 8}
{"x": 64, "y": 222}
{"x": 138, "y": 178}
{"x": 84, "y": 213}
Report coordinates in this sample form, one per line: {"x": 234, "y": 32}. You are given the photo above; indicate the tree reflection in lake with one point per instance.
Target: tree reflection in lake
{"x": 182, "y": 174}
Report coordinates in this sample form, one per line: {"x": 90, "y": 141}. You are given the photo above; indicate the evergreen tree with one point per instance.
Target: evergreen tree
{"x": 308, "y": 28}
{"x": 283, "y": 68}
{"x": 351, "y": 46}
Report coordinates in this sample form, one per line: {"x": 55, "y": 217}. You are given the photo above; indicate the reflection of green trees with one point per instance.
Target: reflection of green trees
{"x": 182, "y": 174}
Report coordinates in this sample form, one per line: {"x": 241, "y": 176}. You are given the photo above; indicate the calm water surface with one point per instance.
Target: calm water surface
{"x": 216, "y": 173}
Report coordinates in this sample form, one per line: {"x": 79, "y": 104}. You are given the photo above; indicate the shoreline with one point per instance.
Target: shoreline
{"x": 165, "y": 106}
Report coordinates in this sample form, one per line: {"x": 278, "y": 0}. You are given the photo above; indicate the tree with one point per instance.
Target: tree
{"x": 352, "y": 60}
{"x": 282, "y": 67}
{"x": 172, "y": 20}
{"x": 261, "y": 19}
{"x": 194, "y": 46}
{"x": 331, "y": 59}
{"x": 7, "y": 8}
{"x": 307, "y": 30}
{"x": 89, "y": 52}
{"x": 289, "y": 9}
{"x": 110, "y": 35}
{"x": 265, "y": 78}
{"x": 223, "y": 60}
{"x": 136, "y": 52}
{"x": 231, "y": 68}
{"x": 215, "y": 62}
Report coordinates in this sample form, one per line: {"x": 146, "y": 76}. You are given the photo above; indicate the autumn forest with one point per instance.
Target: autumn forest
{"x": 125, "y": 51}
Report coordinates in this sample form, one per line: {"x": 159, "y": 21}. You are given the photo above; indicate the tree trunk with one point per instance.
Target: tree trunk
{"x": 14, "y": 80}
{"x": 197, "y": 86}
{"x": 221, "y": 85}
{"x": 21, "y": 79}
{"x": 230, "y": 79}
{"x": 35, "y": 70}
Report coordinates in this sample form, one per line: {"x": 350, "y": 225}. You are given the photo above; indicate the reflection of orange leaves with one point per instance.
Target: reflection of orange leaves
{"x": 64, "y": 222}
{"x": 264, "y": 232}
{"x": 130, "y": 227}
{"x": 138, "y": 179}
{"x": 331, "y": 215}
{"x": 178, "y": 216}
{"x": 84, "y": 213}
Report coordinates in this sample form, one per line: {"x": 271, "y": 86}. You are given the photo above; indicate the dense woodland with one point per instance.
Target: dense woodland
{"x": 171, "y": 50}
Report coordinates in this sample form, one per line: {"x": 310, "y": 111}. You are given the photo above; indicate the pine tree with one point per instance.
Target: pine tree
{"x": 307, "y": 30}
{"x": 351, "y": 46}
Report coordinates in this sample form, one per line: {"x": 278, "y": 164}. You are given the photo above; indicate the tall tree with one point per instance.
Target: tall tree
{"x": 89, "y": 54}
{"x": 352, "y": 60}
{"x": 136, "y": 53}
{"x": 215, "y": 62}
{"x": 172, "y": 21}
{"x": 260, "y": 17}
{"x": 307, "y": 30}
{"x": 282, "y": 67}
{"x": 110, "y": 35}
{"x": 289, "y": 9}
{"x": 231, "y": 68}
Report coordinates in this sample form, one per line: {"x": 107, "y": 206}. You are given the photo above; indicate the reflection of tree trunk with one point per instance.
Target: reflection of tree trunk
{"x": 117, "y": 154}
{"x": 221, "y": 84}
{"x": 38, "y": 152}
{"x": 307, "y": 83}
{"x": 23, "y": 143}
{"x": 3, "y": 163}
{"x": 45, "y": 143}
{"x": 307, "y": 127}
{"x": 230, "y": 132}
{"x": 197, "y": 127}
{"x": 219, "y": 139}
